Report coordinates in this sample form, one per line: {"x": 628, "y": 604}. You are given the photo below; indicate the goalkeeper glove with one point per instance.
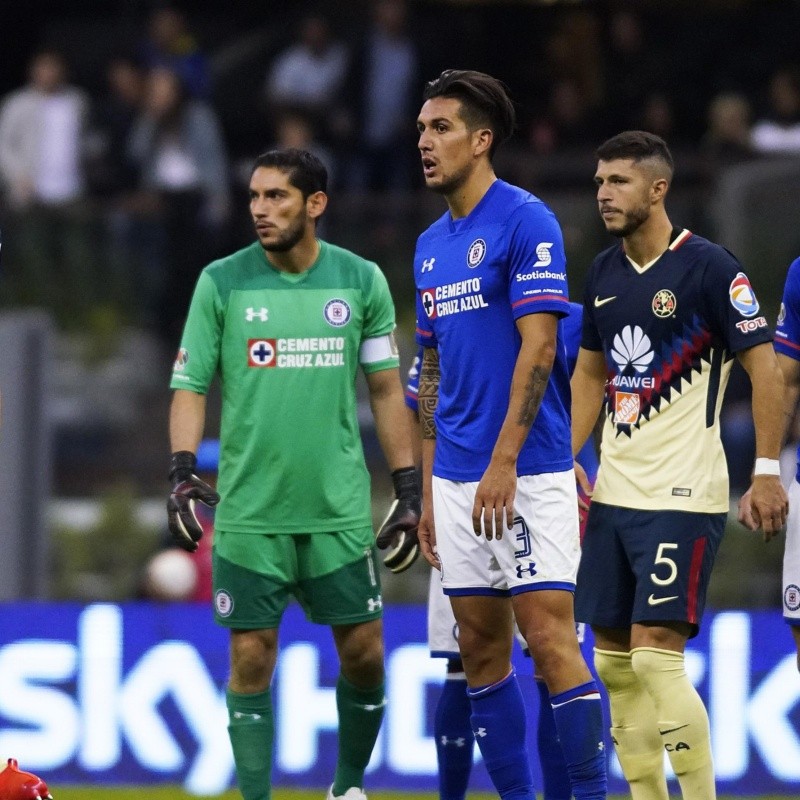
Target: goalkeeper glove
{"x": 399, "y": 529}
{"x": 186, "y": 488}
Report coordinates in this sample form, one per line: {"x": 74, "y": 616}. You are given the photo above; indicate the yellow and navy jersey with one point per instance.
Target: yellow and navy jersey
{"x": 668, "y": 332}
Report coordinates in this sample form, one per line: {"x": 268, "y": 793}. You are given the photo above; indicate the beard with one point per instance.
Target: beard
{"x": 288, "y": 238}
{"x": 633, "y": 220}
{"x": 452, "y": 183}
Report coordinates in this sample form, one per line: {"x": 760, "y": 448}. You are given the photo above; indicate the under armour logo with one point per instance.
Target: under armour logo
{"x": 427, "y": 265}
{"x": 460, "y": 742}
{"x": 481, "y": 732}
{"x": 601, "y": 746}
{"x": 251, "y": 314}
{"x": 530, "y": 569}
{"x": 374, "y": 603}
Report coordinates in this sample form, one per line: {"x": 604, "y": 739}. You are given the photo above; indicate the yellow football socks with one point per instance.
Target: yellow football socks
{"x": 634, "y": 726}
{"x": 682, "y": 719}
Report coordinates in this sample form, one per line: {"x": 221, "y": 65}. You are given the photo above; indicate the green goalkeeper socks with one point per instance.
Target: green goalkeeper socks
{"x": 252, "y": 730}
{"x": 360, "y": 717}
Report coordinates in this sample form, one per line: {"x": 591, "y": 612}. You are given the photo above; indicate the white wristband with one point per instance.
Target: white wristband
{"x": 767, "y": 466}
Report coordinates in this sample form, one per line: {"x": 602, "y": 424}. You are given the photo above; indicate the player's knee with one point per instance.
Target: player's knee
{"x": 653, "y": 666}
{"x": 479, "y": 651}
{"x": 361, "y": 657}
{"x": 253, "y": 656}
{"x": 615, "y": 670}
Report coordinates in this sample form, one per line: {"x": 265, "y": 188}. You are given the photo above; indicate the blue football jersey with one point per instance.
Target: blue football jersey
{"x": 475, "y": 277}
{"x": 787, "y": 333}
{"x": 668, "y": 332}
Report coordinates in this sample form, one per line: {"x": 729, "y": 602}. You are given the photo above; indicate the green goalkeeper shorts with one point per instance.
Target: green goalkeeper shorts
{"x": 334, "y": 577}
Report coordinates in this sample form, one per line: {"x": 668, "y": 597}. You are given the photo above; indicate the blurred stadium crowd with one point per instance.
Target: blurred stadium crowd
{"x": 127, "y": 129}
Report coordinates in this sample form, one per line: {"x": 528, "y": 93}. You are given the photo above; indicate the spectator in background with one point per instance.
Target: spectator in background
{"x": 177, "y": 145}
{"x": 295, "y": 129}
{"x": 113, "y": 177}
{"x": 383, "y": 86}
{"x": 727, "y": 139}
{"x": 634, "y": 68}
{"x": 171, "y": 45}
{"x": 109, "y": 168}
{"x": 310, "y": 74}
{"x": 569, "y": 121}
{"x": 777, "y": 131}
{"x": 42, "y": 138}
{"x": 657, "y": 115}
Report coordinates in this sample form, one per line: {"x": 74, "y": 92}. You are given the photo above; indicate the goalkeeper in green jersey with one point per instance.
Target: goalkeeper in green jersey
{"x": 285, "y": 323}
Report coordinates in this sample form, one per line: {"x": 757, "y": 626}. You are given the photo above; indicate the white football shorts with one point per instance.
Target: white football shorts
{"x": 540, "y": 552}
{"x": 791, "y": 559}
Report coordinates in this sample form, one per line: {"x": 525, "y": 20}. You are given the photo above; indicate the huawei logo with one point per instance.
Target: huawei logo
{"x": 632, "y": 347}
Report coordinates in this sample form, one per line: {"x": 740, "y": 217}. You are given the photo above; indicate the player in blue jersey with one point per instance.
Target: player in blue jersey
{"x": 452, "y": 732}
{"x": 665, "y": 312}
{"x": 787, "y": 345}
{"x": 500, "y": 510}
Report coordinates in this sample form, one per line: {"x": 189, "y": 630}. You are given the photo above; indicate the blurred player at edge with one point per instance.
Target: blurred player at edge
{"x": 452, "y": 732}
{"x": 787, "y": 346}
{"x": 285, "y": 323}
{"x": 500, "y": 517}
{"x": 664, "y": 314}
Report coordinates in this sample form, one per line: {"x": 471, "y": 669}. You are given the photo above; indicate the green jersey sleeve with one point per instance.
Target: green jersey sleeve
{"x": 378, "y": 348}
{"x": 198, "y": 356}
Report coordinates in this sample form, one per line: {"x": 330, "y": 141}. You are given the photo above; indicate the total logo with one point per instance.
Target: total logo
{"x": 742, "y": 296}
{"x": 750, "y": 325}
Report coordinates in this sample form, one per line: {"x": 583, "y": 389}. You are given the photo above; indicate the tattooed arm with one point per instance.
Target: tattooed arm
{"x": 427, "y": 399}
{"x": 494, "y": 499}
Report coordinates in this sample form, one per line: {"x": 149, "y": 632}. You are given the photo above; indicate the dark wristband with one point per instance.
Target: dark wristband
{"x": 182, "y": 466}
{"x": 406, "y": 482}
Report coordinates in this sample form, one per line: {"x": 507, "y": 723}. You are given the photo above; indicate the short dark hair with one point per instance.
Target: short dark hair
{"x": 306, "y": 172}
{"x": 484, "y": 101}
{"x": 636, "y": 146}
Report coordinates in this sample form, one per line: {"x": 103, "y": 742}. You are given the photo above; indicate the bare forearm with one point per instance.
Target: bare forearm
{"x": 587, "y": 388}
{"x": 528, "y": 386}
{"x": 587, "y": 401}
{"x": 428, "y": 396}
{"x": 187, "y": 419}
{"x": 392, "y": 426}
{"x": 767, "y": 383}
{"x": 427, "y": 400}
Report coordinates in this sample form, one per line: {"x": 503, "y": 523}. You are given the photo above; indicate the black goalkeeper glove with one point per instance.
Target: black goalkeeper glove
{"x": 186, "y": 488}
{"x": 399, "y": 529}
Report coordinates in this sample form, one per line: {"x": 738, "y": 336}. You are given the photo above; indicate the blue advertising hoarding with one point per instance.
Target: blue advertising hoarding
{"x": 135, "y": 694}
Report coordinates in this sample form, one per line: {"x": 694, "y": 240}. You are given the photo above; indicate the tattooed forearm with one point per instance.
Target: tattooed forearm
{"x": 428, "y": 396}
{"x": 534, "y": 392}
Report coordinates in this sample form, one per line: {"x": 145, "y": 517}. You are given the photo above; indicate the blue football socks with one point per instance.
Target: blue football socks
{"x": 454, "y": 739}
{"x": 498, "y": 723}
{"x": 551, "y": 756}
{"x": 578, "y": 716}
